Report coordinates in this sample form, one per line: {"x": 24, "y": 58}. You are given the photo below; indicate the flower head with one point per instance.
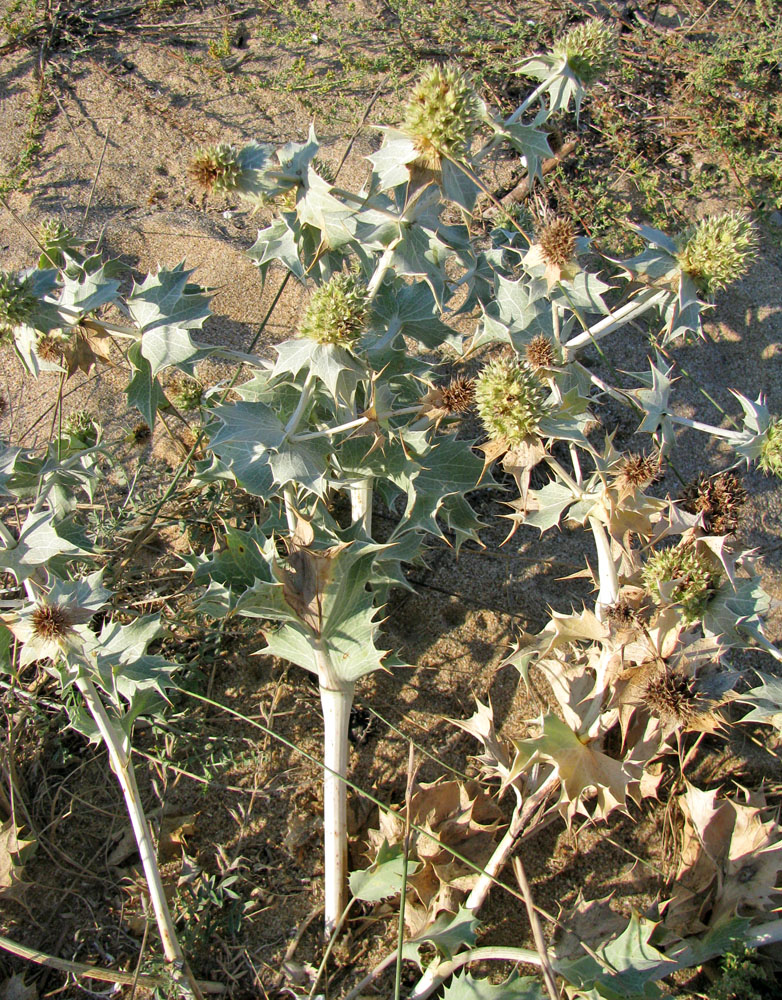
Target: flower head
{"x": 458, "y": 395}
{"x": 557, "y": 241}
{"x": 140, "y": 435}
{"x": 717, "y": 250}
{"x": 671, "y": 698}
{"x": 442, "y": 115}
{"x": 720, "y": 499}
{"x": 337, "y": 311}
{"x": 185, "y": 392}
{"x": 46, "y": 629}
{"x": 589, "y": 50}
{"x": 539, "y": 352}
{"x": 81, "y": 424}
{"x": 510, "y": 400}
{"x": 682, "y": 575}
{"x": 216, "y": 168}
{"x": 771, "y": 450}
{"x": 634, "y": 472}
{"x": 17, "y": 301}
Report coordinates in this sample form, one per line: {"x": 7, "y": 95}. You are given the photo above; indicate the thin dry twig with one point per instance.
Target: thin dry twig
{"x": 92, "y": 972}
{"x": 537, "y": 931}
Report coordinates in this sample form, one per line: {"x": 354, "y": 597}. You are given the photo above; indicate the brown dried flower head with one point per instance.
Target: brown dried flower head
{"x": 140, "y": 434}
{"x": 670, "y": 697}
{"x": 539, "y": 352}
{"x": 458, "y": 394}
{"x": 720, "y": 499}
{"x": 51, "y": 622}
{"x": 49, "y": 348}
{"x": 557, "y": 241}
{"x": 637, "y": 471}
{"x": 622, "y": 615}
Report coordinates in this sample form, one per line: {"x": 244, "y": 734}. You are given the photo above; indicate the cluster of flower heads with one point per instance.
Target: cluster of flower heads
{"x": 337, "y": 311}
{"x": 442, "y": 115}
{"x": 720, "y": 499}
{"x": 511, "y": 400}
{"x": 717, "y": 250}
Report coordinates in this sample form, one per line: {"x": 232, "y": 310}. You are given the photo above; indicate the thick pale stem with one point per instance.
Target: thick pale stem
{"x": 336, "y": 704}
{"x": 606, "y": 568}
{"x": 522, "y": 814}
{"x": 631, "y": 310}
{"x": 304, "y": 398}
{"x": 361, "y": 504}
{"x": 122, "y": 765}
{"x": 427, "y": 984}
{"x": 723, "y": 432}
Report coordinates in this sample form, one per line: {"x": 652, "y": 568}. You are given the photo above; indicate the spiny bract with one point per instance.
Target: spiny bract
{"x": 717, "y": 250}
{"x": 442, "y": 114}
{"x": 692, "y": 573}
{"x": 588, "y": 50}
{"x": 337, "y": 311}
{"x": 510, "y": 400}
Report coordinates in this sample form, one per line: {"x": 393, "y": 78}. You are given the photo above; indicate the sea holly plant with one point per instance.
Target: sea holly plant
{"x": 347, "y": 439}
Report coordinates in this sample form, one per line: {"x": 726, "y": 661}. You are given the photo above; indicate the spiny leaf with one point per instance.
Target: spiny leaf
{"x": 383, "y": 878}
{"x": 463, "y": 986}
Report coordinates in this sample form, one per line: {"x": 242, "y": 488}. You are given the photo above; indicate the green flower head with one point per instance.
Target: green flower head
{"x": 216, "y": 168}
{"x": 17, "y": 301}
{"x": 81, "y": 424}
{"x": 771, "y": 450}
{"x": 185, "y": 392}
{"x": 681, "y": 575}
{"x": 717, "y": 250}
{"x": 510, "y": 400}
{"x": 337, "y": 311}
{"x": 589, "y": 50}
{"x": 442, "y": 114}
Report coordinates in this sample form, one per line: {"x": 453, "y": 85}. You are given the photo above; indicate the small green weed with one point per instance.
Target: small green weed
{"x": 742, "y": 978}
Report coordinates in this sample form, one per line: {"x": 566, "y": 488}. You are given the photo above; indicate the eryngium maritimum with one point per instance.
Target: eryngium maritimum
{"x": 510, "y": 400}
{"x": 442, "y": 115}
{"x": 216, "y": 168}
{"x": 337, "y": 311}
{"x": 588, "y": 49}
{"x": 692, "y": 573}
{"x": 717, "y": 250}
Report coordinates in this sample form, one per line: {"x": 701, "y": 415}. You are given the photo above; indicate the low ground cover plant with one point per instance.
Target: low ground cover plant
{"x": 353, "y": 415}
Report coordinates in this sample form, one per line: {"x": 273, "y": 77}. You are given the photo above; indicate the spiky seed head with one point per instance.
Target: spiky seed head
{"x": 690, "y": 571}
{"x": 337, "y": 311}
{"x": 185, "y": 392}
{"x": 771, "y": 450}
{"x": 622, "y": 615}
{"x": 51, "y": 621}
{"x": 17, "y": 301}
{"x": 589, "y": 49}
{"x": 717, "y": 250}
{"x": 670, "y": 697}
{"x": 442, "y": 114}
{"x": 557, "y": 240}
{"x": 81, "y": 423}
{"x": 510, "y": 400}
{"x": 140, "y": 434}
{"x": 458, "y": 395}
{"x": 719, "y": 498}
{"x": 49, "y": 348}
{"x": 216, "y": 168}
{"x": 53, "y": 231}
{"x": 539, "y": 352}
{"x": 637, "y": 471}
{"x": 323, "y": 170}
